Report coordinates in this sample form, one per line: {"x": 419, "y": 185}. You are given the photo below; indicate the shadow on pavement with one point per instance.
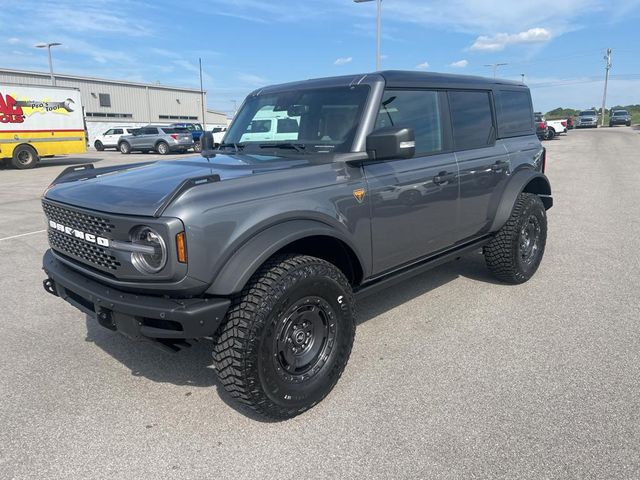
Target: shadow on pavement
{"x": 193, "y": 366}
{"x": 56, "y": 162}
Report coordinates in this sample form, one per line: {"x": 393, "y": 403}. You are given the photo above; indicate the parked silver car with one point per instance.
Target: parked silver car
{"x": 160, "y": 138}
{"x": 587, "y": 119}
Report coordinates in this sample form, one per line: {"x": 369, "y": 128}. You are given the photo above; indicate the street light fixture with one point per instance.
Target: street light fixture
{"x": 378, "y": 28}
{"x": 48, "y": 47}
{"x": 495, "y": 67}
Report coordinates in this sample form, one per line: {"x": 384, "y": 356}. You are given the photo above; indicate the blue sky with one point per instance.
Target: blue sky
{"x": 244, "y": 44}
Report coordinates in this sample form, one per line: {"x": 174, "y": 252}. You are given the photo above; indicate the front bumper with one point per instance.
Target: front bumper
{"x": 622, "y": 121}
{"x": 139, "y": 317}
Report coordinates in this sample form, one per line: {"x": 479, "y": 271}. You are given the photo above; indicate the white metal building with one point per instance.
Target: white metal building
{"x": 115, "y": 102}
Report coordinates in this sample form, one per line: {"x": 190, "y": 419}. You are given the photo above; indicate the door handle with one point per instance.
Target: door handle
{"x": 443, "y": 177}
{"x": 499, "y": 166}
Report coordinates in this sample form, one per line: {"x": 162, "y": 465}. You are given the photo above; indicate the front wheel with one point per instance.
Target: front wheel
{"x": 516, "y": 251}
{"x": 287, "y": 337}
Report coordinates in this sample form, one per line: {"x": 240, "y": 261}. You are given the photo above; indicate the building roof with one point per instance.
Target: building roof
{"x": 64, "y": 76}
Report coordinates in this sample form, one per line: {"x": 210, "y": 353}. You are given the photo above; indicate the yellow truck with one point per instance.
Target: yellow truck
{"x": 39, "y": 121}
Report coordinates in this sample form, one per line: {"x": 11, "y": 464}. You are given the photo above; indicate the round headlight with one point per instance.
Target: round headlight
{"x": 149, "y": 262}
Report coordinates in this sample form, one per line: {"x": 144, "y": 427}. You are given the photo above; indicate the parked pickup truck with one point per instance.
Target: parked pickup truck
{"x": 556, "y": 127}
{"x": 264, "y": 246}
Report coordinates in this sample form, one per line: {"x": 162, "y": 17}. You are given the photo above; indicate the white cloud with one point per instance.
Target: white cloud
{"x": 13, "y": 41}
{"x": 501, "y": 40}
{"x": 343, "y": 60}
{"x": 422, "y": 66}
{"x": 459, "y": 64}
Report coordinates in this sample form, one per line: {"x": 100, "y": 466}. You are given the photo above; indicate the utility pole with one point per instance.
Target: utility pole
{"x": 607, "y": 59}
{"x": 204, "y": 120}
{"x": 522, "y": 75}
{"x": 495, "y": 67}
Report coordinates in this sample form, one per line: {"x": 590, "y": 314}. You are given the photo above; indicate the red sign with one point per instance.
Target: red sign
{"x": 9, "y": 111}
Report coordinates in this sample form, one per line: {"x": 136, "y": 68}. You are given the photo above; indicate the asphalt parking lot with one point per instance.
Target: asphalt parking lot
{"x": 452, "y": 374}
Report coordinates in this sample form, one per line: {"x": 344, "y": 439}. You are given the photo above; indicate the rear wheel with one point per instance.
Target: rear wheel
{"x": 162, "y": 148}
{"x": 24, "y": 157}
{"x": 99, "y": 146}
{"x": 287, "y": 337}
{"x": 197, "y": 147}
{"x": 124, "y": 148}
{"x": 516, "y": 251}
{"x": 550, "y": 134}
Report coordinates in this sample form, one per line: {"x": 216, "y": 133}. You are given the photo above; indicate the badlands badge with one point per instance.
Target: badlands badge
{"x": 359, "y": 194}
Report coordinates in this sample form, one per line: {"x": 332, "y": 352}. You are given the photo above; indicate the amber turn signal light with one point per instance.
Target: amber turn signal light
{"x": 181, "y": 244}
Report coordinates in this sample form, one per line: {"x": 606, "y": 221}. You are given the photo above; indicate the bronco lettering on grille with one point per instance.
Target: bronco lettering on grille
{"x": 87, "y": 237}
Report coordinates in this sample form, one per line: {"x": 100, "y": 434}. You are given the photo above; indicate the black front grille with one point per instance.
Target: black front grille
{"x": 92, "y": 254}
{"x": 78, "y": 220}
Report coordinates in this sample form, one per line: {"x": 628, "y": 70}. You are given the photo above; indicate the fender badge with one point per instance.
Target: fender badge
{"x": 359, "y": 194}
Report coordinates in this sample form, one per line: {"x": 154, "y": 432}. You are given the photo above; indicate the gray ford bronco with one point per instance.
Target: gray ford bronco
{"x": 322, "y": 191}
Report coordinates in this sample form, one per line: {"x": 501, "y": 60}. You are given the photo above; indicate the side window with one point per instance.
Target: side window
{"x": 417, "y": 109}
{"x": 514, "y": 112}
{"x": 117, "y": 131}
{"x": 260, "y": 126}
{"x": 149, "y": 131}
{"x": 471, "y": 119}
{"x": 287, "y": 125}
{"x": 109, "y": 132}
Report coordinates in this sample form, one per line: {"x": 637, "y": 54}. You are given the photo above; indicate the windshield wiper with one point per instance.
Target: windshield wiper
{"x": 298, "y": 147}
{"x": 236, "y": 146}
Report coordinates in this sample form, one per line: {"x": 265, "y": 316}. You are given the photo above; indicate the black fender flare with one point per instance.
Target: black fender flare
{"x": 522, "y": 181}
{"x": 248, "y": 258}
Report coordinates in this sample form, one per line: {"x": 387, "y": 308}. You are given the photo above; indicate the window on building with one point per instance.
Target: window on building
{"x": 471, "y": 119}
{"x": 105, "y": 99}
{"x": 177, "y": 117}
{"x": 417, "y": 109}
{"x": 109, "y": 115}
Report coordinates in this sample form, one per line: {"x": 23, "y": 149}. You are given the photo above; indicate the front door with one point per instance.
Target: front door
{"x": 414, "y": 201}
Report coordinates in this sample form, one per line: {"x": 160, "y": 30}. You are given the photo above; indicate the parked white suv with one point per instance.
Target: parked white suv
{"x": 111, "y": 137}
{"x": 218, "y": 134}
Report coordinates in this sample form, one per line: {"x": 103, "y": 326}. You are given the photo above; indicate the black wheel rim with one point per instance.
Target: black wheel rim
{"x": 529, "y": 241}
{"x": 24, "y": 157}
{"x": 304, "y": 338}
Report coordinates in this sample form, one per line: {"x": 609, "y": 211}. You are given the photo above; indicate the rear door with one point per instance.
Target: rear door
{"x": 148, "y": 137}
{"x": 413, "y": 200}
{"x": 112, "y": 136}
{"x": 483, "y": 162}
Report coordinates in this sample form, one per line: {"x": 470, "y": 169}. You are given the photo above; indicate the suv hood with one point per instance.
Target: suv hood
{"x": 142, "y": 189}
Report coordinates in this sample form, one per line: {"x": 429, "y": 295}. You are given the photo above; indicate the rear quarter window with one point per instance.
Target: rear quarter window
{"x": 514, "y": 113}
{"x": 471, "y": 119}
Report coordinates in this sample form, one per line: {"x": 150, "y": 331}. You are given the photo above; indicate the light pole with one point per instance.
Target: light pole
{"x": 48, "y": 47}
{"x": 495, "y": 67}
{"x": 378, "y": 29}
{"x": 522, "y": 75}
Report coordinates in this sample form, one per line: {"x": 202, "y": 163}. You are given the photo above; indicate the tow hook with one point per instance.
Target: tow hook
{"x": 50, "y": 286}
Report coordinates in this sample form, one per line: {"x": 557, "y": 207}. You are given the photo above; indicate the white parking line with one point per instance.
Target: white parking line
{"x": 21, "y": 235}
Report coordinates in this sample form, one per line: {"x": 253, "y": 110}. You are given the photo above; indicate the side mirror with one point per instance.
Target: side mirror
{"x": 206, "y": 145}
{"x": 391, "y": 143}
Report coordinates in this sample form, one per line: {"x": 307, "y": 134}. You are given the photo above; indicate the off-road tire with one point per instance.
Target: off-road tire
{"x": 124, "y": 148}
{"x": 162, "y": 148}
{"x": 246, "y": 355}
{"x": 98, "y": 146}
{"x": 504, "y": 254}
{"x": 24, "y": 157}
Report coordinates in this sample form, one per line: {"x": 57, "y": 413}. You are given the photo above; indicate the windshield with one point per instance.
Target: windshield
{"x": 322, "y": 120}
{"x": 620, "y": 113}
{"x": 591, "y": 113}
